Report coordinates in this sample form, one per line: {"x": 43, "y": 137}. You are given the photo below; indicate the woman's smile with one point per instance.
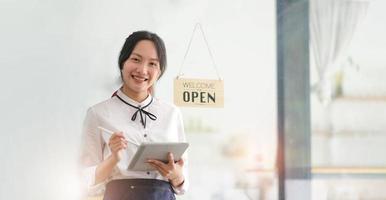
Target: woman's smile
{"x": 139, "y": 78}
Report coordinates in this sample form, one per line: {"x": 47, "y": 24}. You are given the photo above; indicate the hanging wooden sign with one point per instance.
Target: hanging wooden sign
{"x": 199, "y": 93}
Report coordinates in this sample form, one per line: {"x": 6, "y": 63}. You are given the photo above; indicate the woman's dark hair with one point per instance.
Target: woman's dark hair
{"x": 137, "y": 36}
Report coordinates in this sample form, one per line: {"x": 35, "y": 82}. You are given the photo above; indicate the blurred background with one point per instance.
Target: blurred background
{"x": 57, "y": 58}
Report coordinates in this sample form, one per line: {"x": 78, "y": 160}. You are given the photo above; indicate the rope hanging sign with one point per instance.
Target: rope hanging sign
{"x": 199, "y": 92}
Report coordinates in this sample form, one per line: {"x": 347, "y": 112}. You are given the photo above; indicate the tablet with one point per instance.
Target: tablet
{"x": 156, "y": 151}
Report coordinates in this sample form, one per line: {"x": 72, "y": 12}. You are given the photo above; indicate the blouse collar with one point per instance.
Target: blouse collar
{"x": 132, "y": 101}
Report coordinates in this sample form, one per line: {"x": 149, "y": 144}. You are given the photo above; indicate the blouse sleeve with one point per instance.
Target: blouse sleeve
{"x": 91, "y": 153}
{"x": 182, "y": 138}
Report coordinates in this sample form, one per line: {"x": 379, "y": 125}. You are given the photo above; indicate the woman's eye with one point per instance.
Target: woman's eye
{"x": 135, "y": 59}
{"x": 153, "y": 64}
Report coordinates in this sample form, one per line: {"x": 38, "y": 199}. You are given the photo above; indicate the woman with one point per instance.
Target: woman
{"x": 134, "y": 115}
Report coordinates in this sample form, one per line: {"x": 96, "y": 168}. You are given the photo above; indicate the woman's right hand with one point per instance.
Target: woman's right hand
{"x": 117, "y": 143}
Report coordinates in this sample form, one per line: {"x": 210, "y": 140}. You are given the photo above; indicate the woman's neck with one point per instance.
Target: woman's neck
{"x": 138, "y": 97}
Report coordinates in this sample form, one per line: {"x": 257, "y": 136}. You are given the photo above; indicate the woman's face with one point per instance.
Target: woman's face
{"x": 140, "y": 70}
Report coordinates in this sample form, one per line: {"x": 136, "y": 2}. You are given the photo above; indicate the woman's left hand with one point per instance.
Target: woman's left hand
{"x": 171, "y": 170}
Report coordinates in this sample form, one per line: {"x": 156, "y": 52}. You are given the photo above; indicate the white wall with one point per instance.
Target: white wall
{"x": 59, "y": 57}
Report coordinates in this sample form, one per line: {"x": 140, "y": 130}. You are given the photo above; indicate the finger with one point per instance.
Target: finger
{"x": 122, "y": 146}
{"x": 181, "y": 162}
{"x": 170, "y": 158}
{"x": 160, "y": 167}
{"x": 116, "y": 135}
{"x": 159, "y": 163}
{"x": 123, "y": 140}
{"x": 118, "y": 146}
{"x": 162, "y": 171}
{"x": 117, "y": 143}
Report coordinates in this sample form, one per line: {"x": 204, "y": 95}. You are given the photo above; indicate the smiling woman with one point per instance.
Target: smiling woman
{"x": 58, "y": 58}
{"x": 142, "y": 61}
{"x": 140, "y": 70}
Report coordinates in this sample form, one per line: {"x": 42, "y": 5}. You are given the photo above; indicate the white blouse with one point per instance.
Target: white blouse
{"x": 115, "y": 115}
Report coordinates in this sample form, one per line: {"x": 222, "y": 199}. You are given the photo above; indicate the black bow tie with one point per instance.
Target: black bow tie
{"x": 140, "y": 109}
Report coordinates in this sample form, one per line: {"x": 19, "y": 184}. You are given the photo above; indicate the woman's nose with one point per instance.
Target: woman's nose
{"x": 141, "y": 68}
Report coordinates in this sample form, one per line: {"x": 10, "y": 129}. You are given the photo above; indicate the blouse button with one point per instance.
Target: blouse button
{"x": 144, "y": 135}
{"x": 148, "y": 173}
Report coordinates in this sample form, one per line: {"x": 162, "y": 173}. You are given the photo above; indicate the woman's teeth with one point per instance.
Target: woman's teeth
{"x": 140, "y": 78}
